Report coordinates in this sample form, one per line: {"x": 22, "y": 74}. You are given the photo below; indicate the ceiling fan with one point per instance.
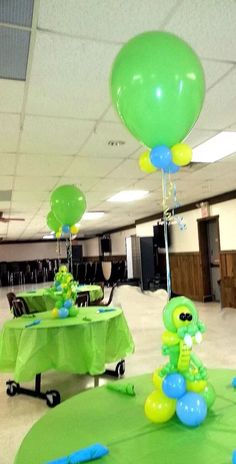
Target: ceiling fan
{"x": 6, "y": 219}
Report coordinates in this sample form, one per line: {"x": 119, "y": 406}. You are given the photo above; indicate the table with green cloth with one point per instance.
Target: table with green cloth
{"x": 118, "y": 422}
{"x": 44, "y": 299}
{"x": 81, "y": 344}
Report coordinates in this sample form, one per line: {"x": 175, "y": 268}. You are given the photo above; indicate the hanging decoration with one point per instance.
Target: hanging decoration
{"x": 65, "y": 287}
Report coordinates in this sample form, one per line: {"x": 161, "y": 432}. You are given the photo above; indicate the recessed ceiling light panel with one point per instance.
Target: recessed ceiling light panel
{"x": 93, "y": 215}
{"x": 216, "y": 148}
{"x": 128, "y": 195}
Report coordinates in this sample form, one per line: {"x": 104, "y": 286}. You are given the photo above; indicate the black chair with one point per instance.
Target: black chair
{"x": 97, "y": 302}
{"x": 19, "y": 307}
{"x": 11, "y": 296}
{"x": 98, "y": 273}
{"x": 82, "y": 299}
{"x": 4, "y": 274}
{"x": 108, "y": 302}
{"x": 81, "y": 273}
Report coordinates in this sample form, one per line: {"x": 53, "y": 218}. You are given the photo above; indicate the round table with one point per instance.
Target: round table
{"x": 118, "y": 422}
{"x": 44, "y": 299}
{"x": 81, "y": 344}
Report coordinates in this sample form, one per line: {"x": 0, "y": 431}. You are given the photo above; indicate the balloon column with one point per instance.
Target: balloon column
{"x": 181, "y": 385}
{"x": 158, "y": 88}
{"x": 65, "y": 285}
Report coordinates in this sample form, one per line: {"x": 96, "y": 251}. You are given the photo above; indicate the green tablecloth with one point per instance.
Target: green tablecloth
{"x": 118, "y": 421}
{"x": 71, "y": 345}
{"x": 44, "y": 299}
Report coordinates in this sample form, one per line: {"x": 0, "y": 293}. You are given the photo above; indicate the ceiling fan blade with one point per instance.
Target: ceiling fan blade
{"x": 3, "y": 219}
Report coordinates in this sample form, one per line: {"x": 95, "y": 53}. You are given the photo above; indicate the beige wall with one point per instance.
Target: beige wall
{"x": 187, "y": 240}
{"x": 118, "y": 241}
{"x": 30, "y": 251}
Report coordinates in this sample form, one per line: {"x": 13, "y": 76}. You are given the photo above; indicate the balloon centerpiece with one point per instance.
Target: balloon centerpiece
{"x": 65, "y": 286}
{"x": 158, "y": 88}
{"x": 181, "y": 385}
{"x": 68, "y": 205}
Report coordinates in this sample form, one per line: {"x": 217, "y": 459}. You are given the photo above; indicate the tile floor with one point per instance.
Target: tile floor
{"x": 144, "y": 316}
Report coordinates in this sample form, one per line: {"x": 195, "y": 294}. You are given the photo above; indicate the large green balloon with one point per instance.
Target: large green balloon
{"x": 158, "y": 87}
{"x": 52, "y": 222}
{"x": 68, "y": 204}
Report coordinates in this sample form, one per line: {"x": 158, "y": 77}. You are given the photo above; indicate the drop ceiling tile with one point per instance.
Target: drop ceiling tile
{"x": 110, "y": 185}
{"x": 6, "y": 182}
{"x": 5, "y": 206}
{"x": 84, "y": 183}
{"x": 129, "y": 169}
{"x": 97, "y": 168}
{"x": 18, "y": 208}
{"x": 37, "y": 166}
{"x": 97, "y": 145}
{"x": 202, "y": 24}
{"x": 11, "y": 95}
{"x": 111, "y": 21}
{"x": 28, "y": 184}
{"x": 34, "y": 197}
{"x": 9, "y": 132}
{"x": 7, "y": 163}
{"x": 111, "y": 115}
{"x": 54, "y": 136}
{"x": 69, "y": 77}
{"x": 219, "y": 106}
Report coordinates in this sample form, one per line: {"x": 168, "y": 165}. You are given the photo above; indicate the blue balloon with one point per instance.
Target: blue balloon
{"x": 63, "y": 313}
{"x": 160, "y": 156}
{"x": 66, "y": 229}
{"x": 191, "y": 409}
{"x": 174, "y": 386}
{"x": 233, "y": 382}
{"x": 68, "y": 304}
{"x": 172, "y": 168}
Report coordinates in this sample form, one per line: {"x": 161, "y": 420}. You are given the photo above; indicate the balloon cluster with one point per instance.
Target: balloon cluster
{"x": 68, "y": 205}
{"x": 181, "y": 385}
{"x": 158, "y": 88}
{"x": 162, "y": 157}
{"x": 65, "y": 285}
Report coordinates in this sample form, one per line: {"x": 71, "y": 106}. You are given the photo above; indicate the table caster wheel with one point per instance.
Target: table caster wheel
{"x": 53, "y": 398}
{"x": 120, "y": 368}
{"x": 12, "y": 388}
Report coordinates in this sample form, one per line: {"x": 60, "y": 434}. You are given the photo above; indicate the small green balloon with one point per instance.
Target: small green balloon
{"x": 158, "y": 87}
{"x": 73, "y": 311}
{"x": 59, "y": 304}
{"x": 68, "y": 204}
{"x": 52, "y": 222}
{"x": 209, "y": 395}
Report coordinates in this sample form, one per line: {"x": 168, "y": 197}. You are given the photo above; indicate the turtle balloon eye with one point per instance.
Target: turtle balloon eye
{"x": 189, "y": 317}
{"x": 182, "y": 316}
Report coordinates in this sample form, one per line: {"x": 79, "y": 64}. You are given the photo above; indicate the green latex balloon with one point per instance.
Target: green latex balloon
{"x": 52, "y": 222}
{"x": 68, "y": 204}
{"x": 158, "y": 88}
{"x": 209, "y": 395}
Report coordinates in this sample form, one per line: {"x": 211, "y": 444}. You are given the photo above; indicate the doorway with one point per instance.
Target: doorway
{"x": 209, "y": 247}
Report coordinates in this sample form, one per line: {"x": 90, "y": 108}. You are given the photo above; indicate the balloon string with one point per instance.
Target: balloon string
{"x": 179, "y": 220}
{"x": 166, "y": 215}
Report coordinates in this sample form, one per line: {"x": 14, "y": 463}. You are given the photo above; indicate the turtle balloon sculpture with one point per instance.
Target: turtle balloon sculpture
{"x": 181, "y": 384}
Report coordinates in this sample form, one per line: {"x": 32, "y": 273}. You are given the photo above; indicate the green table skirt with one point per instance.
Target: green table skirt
{"x": 118, "y": 421}
{"x": 44, "y": 299}
{"x": 83, "y": 344}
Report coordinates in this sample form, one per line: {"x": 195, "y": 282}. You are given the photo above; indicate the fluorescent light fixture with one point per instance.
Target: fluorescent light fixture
{"x": 48, "y": 236}
{"x": 128, "y": 195}
{"x": 216, "y": 148}
{"x": 93, "y": 215}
